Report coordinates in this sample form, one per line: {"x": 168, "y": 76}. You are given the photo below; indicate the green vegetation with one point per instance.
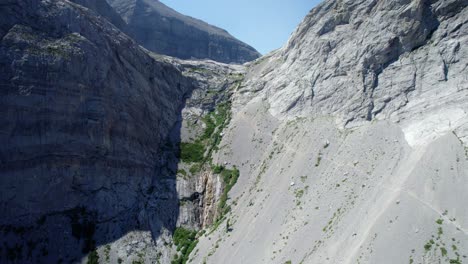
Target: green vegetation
{"x": 218, "y": 169}
{"x": 319, "y": 159}
{"x": 439, "y": 221}
{"x": 199, "y": 153}
{"x": 288, "y": 262}
{"x": 185, "y": 241}
{"x": 215, "y": 122}
{"x": 440, "y": 231}
{"x": 93, "y": 258}
{"x": 229, "y": 178}
{"x": 299, "y": 194}
{"x": 210, "y": 126}
{"x": 195, "y": 168}
{"x": 107, "y": 250}
{"x": 443, "y": 251}
{"x": 192, "y": 152}
{"x": 428, "y": 245}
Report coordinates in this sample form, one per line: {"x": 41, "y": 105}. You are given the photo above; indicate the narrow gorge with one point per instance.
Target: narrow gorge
{"x": 346, "y": 145}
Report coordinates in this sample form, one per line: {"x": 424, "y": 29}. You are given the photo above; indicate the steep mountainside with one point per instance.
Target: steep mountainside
{"x": 347, "y": 145}
{"x": 163, "y": 30}
{"x": 351, "y": 141}
{"x": 84, "y": 111}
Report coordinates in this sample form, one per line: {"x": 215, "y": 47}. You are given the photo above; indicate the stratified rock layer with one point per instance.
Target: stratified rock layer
{"x": 351, "y": 141}
{"x": 161, "y": 29}
{"x": 83, "y": 112}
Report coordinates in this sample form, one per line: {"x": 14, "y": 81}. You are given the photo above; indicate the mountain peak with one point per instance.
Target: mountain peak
{"x": 163, "y": 30}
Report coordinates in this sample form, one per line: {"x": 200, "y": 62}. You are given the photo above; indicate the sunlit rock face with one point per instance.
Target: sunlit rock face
{"x": 351, "y": 141}
{"x": 163, "y": 30}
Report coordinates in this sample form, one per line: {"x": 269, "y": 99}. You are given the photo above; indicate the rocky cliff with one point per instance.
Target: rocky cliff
{"x": 347, "y": 145}
{"x": 163, "y": 30}
{"x": 351, "y": 141}
{"x": 84, "y": 112}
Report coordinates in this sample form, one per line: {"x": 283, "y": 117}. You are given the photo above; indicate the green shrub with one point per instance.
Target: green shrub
{"x": 192, "y": 152}
{"x": 440, "y": 231}
{"x": 319, "y": 158}
{"x": 443, "y": 251}
{"x": 218, "y": 169}
{"x": 216, "y": 119}
{"x": 195, "y": 168}
{"x": 93, "y": 257}
{"x": 229, "y": 178}
{"x": 210, "y": 126}
{"x": 428, "y": 246}
{"x": 185, "y": 241}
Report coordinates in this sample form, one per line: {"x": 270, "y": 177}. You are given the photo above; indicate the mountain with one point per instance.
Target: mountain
{"x": 347, "y": 145}
{"x": 163, "y": 30}
{"x": 84, "y": 111}
{"x": 351, "y": 141}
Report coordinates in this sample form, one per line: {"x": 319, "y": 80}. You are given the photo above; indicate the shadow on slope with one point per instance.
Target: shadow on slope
{"x": 84, "y": 112}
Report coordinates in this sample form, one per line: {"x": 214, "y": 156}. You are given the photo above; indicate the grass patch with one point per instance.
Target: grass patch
{"x": 299, "y": 194}
{"x": 229, "y": 178}
{"x": 195, "y": 168}
{"x": 428, "y": 246}
{"x": 443, "y": 251}
{"x": 218, "y": 169}
{"x": 185, "y": 241}
{"x": 440, "y": 231}
{"x": 192, "y": 152}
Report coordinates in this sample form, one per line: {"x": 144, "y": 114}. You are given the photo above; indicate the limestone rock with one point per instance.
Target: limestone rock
{"x": 163, "y": 30}
{"x": 84, "y": 110}
{"x": 384, "y": 84}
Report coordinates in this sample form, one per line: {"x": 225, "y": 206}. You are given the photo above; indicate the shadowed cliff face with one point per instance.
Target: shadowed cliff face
{"x": 83, "y": 113}
{"x": 163, "y": 30}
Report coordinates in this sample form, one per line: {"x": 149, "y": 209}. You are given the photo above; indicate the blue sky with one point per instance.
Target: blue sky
{"x": 264, "y": 24}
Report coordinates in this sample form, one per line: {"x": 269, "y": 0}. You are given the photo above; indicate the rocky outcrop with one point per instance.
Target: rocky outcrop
{"x": 163, "y": 30}
{"x": 368, "y": 60}
{"x": 84, "y": 110}
{"x": 102, "y": 8}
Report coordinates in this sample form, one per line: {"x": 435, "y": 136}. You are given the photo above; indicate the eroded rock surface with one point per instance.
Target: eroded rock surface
{"x": 351, "y": 141}
{"x": 163, "y": 30}
{"x": 84, "y": 110}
